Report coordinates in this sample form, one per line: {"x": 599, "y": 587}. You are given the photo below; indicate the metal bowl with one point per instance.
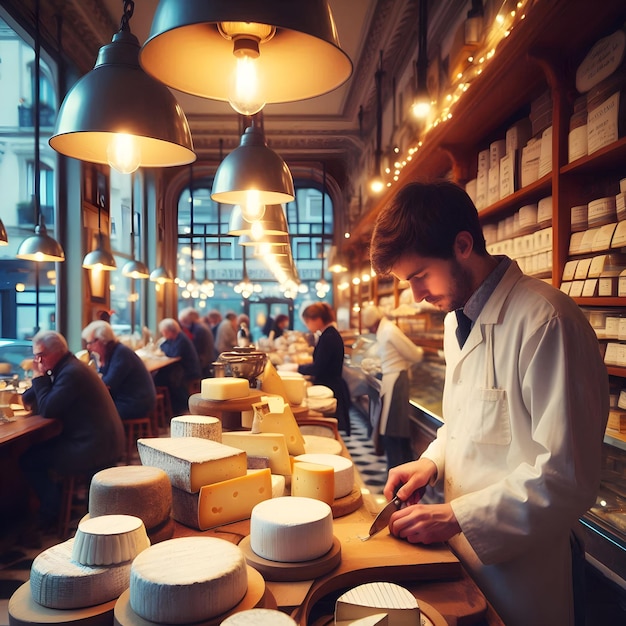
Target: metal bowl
{"x": 244, "y": 363}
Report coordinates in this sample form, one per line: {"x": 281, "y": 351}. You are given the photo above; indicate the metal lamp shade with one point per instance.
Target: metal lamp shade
{"x": 117, "y": 96}
{"x": 273, "y": 222}
{"x": 253, "y": 166}
{"x": 161, "y": 276}
{"x": 303, "y": 59}
{"x": 135, "y": 269}
{"x": 40, "y": 247}
{"x": 100, "y": 257}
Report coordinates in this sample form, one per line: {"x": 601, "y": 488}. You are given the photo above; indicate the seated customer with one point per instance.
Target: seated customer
{"x": 201, "y": 337}
{"x": 177, "y": 376}
{"x": 226, "y": 337}
{"x": 123, "y": 372}
{"x": 92, "y": 438}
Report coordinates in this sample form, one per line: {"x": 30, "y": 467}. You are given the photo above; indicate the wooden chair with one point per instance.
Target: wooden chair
{"x": 163, "y": 407}
{"x": 71, "y": 485}
{"x": 136, "y": 429}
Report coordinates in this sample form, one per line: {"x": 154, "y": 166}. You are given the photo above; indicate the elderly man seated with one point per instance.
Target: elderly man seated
{"x": 92, "y": 438}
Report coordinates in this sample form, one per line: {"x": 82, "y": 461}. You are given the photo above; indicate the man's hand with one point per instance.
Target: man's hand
{"x": 424, "y": 523}
{"x": 408, "y": 481}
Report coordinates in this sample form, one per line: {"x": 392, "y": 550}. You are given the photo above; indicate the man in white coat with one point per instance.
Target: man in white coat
{"x": 525, "y": 407}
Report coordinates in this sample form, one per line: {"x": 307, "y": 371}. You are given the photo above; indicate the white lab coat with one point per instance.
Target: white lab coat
{"x": 525, "y": 407}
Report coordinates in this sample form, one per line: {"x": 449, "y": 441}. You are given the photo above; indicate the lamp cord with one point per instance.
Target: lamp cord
{"x": 129, "y": 9}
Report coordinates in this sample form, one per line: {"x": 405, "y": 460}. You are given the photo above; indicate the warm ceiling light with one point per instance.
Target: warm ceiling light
{"x": 40, "y": 247}
{"x": 274, "y": 222}
{"x": 135, "y": 269}
{"x": 161, "y": 275}
{"x": 118, "y": 114}
{"x": 195, "y": 46}
{"x": 253, "y": 172}
{"x": 101, "y": 257}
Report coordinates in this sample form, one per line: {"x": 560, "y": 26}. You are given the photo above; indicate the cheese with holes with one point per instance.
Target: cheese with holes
{"x": 291, "y": 529}
{"x": 285, "y": 423}
{"x": 365, "y": 600}
{"x": 316, "y": 444}
{"x": 272, "y": 383}
{"x": 142, "y": 491}
{"x": 191, "y": 462}
{"x": 312, "y": 480}
{"x": 224, "y": 502}
{"x": 59, "y": 582}
{"x": 188, "y": 579}
{"x": 259, "y": 617}
{"x": 203, "y": 426}
{"x": 271, "y": 445}
{"x": 227, "y": 388}
{"x": 109, "y": 540}
{"x": 344, "y": 470}
{"x": 377, "y": 619}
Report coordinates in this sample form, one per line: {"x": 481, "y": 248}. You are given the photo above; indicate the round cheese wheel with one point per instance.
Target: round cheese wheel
{"x": 188, "y": 579}
{"x": 344, "y": 470}
{"x": 139, "y": 490}
{"x": 259, "y": 617}
{"x": 203, "y": 426}
{"x": 315, "y": 444}
{"x": 109, "y": 539}
{"x": 291, "y": 529}
{"x": 59, "y": 582}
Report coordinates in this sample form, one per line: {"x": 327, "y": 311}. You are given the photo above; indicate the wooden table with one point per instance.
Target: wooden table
{"x": 155, "y": 363}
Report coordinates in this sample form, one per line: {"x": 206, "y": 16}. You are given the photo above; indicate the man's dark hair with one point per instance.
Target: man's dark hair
{"x": 424, "y": 218}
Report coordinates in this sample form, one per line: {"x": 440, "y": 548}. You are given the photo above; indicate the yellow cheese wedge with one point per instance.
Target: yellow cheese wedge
{"x": 224, "y": 502}
{"x": 312, "y": 480}
{"x": 271, "y": 445}
{"x": 191, "y": 462}
{"x": 272, "y": 383}
{"x": 284, "y": 423}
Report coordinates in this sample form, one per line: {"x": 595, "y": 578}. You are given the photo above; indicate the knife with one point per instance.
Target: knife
{"x": 382, "y": 519}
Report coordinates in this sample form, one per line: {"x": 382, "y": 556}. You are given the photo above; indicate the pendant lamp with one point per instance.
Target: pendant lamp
{"x": 222, "y": 49}
{"x": 273, "y": 222}
{"x": 253, "y": 172}
{"x": 39, "y": 247}
{"x": 119, "y": 115}
{"x": 161, "y": 275}
{"x": 101, "y": 257}
{"x": 4, "y": 238}
{"x": 134, "y": 268}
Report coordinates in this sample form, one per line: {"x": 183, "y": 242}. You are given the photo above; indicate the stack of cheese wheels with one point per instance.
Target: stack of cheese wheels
{"x": 203, "y": 426}
{"x": 186, "y": 580}
{"x": 228, "y": 388}
{"x": 142, "y": 491}
{"x": 259, "y": 617}
{"x": 370, "y": 599}
{"x": 317, "y": 444}
{"x": 291, "y": 529}
{"x": 343, "y": 470}
{"x": 60, "y": 577}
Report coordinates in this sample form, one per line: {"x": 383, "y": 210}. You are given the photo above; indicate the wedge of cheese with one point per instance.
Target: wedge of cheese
{"x": 59, "y": 582}
{"x": 191, "y": 462}
{"x": 142, "y": 491}
{"x": 224, "y": 502}
{"x": 272, "y": 383}
{"x": 312, "y": 480}
{"x": 271, "y": 445}
{"x": 259, "y": 617}
{"x": 378, "y": 619}
{"x": 187, "y": 580}
{"x": 227, "y": 388}
{"x": 203, "y": 426}
{"x": 369, "y": 599}
{"x": 285, "y": 423}
{"x": 344, "y": 470}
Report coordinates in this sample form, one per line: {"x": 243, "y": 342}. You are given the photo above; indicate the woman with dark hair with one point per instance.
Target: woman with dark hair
{"x": 328, "y": 356}
{"x": 280, "y": 325}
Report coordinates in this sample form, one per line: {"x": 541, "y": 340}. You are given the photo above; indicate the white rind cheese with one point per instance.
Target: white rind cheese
{"x": 312, "y": 480}
{"x": 203, "y": 426}
{"x": 109, "y": 540}
{"x": 58, "y": 582}
{"x": 291, "y": 529}
{"x": 278, "y": 485}
{"x": 188, "y": 579}
{"x": 259, "y": 617}
{"x": 365, "y": 600}
{"x": 224, "y": 502}
{"x": 224, "y": 388}
{"x": 377, "y": 619}
{"x": 344, "y": 470}
{"x": 270, "y": 445}
{"x": 139, "y": 490}
{"x": 191, "y": 462}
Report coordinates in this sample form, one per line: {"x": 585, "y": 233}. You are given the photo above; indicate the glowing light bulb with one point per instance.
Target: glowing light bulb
{"x": 253, "y": 209}
{"x": 421, "y": 109}
{"x": 123, "y": 153}
{"x": 245, "y": 94}
{"x": 377, "y": 184}
{"x": 257, "y": 231}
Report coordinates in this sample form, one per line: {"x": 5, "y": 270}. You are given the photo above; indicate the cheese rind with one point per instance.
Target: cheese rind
{"x": 139, "y": 490}
{"x": 344, "y": 470}
{"x": 271, "y": 445}
{"x": 224, "y": 388}
{"x": 59, "y": 582}
{"x": 188, "y": 579}
{"x": 202, "y": 426}
{"x": 259, "y": 617}
{"x": 291, "y": 529}
{"x": 377, "y": 619}
{"x": 109, "y": 540}
{"x": 191, "y": 462}
{"x": 312, "y": 480}
{"x": 365, "y": 600}
{"x": 224, "y": 502}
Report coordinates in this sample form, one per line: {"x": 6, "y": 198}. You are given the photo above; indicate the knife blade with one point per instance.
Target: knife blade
{"x": 382, "y": 519}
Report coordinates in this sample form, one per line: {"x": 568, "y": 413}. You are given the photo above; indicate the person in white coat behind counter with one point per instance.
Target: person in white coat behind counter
{"x": 525, "y": 407}
{"x": 397, "y": 353}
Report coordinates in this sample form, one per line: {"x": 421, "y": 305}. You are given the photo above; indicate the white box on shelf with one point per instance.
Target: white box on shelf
{"x": 493, "y": 185}
{"x": 569, "y": 271}
{"x": 497, "y": 149}
{"x": 590, "y": 288}
{"x": 508, "y": 174}
{"x": 607, "y": 286}
{"x": 531, "y": 154}
{"x": 545, "y": 155}
{"x": 602, "y": 124}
